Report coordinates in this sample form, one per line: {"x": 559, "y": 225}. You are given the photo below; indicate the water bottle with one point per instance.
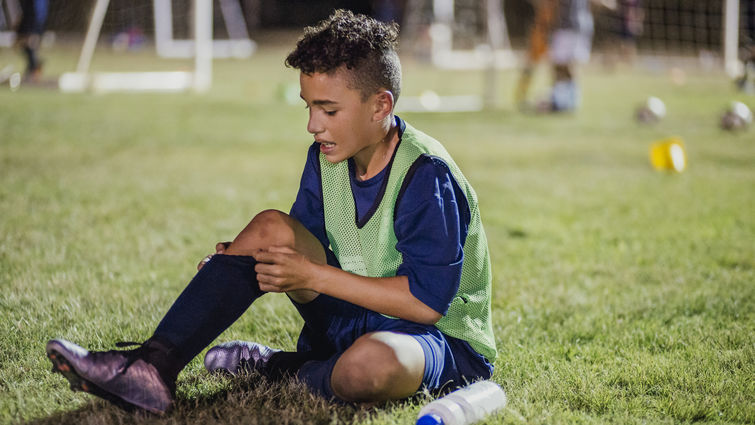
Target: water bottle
{"x": 464, "y": 406}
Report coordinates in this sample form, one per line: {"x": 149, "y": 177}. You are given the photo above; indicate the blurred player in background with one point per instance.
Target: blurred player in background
{"x": 746, "y": 82}
{"x": 632, "y": 16}
{"x": 538, "y": 46}
{"x": 627, "y": 19}
{"x": 29, "y": 31}
{"x": 568, "y": 27}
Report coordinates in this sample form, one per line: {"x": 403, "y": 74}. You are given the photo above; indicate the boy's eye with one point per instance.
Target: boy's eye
{"x": 331, "y": 113}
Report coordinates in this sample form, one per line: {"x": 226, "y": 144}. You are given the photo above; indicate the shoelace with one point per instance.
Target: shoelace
{"x": 131, "y": 355}
{"x": 141, "y": 352}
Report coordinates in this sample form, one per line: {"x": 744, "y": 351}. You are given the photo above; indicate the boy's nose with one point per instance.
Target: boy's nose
{"x": 313, "y": 125}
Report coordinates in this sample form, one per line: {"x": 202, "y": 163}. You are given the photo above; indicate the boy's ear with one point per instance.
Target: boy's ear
{"x": 383, "y": 104}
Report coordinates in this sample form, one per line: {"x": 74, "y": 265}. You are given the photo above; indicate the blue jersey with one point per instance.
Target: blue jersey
{"x": 431, "y": 221}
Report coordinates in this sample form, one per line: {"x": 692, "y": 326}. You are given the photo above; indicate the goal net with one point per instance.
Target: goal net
{"x": 712, "y": 33}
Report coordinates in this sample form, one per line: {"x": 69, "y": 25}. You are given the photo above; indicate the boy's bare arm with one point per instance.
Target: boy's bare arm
{"x": 282, "y": 269}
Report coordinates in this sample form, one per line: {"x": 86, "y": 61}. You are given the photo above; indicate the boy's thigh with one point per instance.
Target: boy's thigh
{"x": 332, "y": 326}
{"x": 448, "y": 362}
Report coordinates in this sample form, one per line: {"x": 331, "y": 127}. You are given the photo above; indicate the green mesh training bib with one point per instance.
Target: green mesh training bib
{"x": 371, "y": 249}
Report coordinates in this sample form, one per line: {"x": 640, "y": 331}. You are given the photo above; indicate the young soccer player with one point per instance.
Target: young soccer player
{"x": 383, "y": 254}
{"x": 30, "y": 31}
{"x": 570, "y": 46}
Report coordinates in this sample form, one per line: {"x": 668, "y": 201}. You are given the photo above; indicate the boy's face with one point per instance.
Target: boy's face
{"x": 339, "y": 120}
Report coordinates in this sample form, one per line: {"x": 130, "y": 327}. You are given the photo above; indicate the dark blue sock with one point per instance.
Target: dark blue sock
{"x": 316, "y": 375}
{"x": 216, "y": 297}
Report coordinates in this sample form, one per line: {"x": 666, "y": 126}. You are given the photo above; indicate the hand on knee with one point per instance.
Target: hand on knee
{"x": 268, "y": 228}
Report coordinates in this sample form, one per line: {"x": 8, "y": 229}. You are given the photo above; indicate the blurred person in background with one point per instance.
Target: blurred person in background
{"x": 627, "y": 19}
{"x": 632, "y": 16}
{"x": 570, "y": 46}
{"x": 388, "y": 10}
{"x": 537, "y": 47}
{"x": 29, "y": 32}
{"x": 568, "y": 27}
{"x": 746, "y": 82}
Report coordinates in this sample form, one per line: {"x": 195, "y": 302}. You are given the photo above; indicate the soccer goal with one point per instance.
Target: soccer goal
{"x": 202, "y": 48}
{"x": 238, "y": 45}
{"x": 466, "y": 34}
{"x": 463, "y": 35}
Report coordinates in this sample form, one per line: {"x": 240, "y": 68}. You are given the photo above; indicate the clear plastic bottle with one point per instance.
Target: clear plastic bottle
{"x": 464, "y": 406}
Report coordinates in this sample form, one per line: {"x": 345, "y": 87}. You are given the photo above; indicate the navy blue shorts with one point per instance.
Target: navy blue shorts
{"x": 331, "y": 326}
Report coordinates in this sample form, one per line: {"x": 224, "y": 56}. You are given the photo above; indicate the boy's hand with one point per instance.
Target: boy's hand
{"x": 283, "y": 269}
{"x": 220, "y": 248}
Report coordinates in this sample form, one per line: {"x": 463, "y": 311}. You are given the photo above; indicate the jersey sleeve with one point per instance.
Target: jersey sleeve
{"x": 432, "y": 218}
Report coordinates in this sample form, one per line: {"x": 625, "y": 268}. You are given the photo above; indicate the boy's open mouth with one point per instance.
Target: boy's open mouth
{"x": 326, "y": 147}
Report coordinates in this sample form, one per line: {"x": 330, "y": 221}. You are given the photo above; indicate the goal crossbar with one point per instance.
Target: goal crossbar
{"x": 239, "y": 46}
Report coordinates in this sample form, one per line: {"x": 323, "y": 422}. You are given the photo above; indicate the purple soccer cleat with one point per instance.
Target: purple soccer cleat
{"x": 122, "y": 377}
{"x": 235, "y": 357}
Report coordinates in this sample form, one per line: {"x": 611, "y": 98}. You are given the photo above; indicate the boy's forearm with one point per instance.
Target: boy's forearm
{"x": 385, "y": 295}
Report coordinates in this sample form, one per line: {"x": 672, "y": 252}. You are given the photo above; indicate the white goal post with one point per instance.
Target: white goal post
{"x": 239, "y": 45}
{"x": 496, "y": 52}
{"x": 202, "y": 48}
{"x": 732, "y": 64}
{"x": 492, "y": 53}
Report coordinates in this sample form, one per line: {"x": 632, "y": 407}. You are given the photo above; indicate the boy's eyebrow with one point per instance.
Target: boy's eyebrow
{"x": 320, "y": 102}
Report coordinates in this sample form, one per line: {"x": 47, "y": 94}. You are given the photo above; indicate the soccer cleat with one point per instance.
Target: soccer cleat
{"x": 122, "y": 377}
{"x": 235, "y": 357}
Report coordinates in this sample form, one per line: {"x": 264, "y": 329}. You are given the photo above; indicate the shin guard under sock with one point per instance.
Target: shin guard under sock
{"x": 216, "y": 297}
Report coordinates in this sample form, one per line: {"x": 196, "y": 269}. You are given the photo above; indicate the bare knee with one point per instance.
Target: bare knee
{"x": 268, "y": 223}
{"x": 365, "y": 372}
{"x": 268, "y": 228}
{"x": 379, "y": 366}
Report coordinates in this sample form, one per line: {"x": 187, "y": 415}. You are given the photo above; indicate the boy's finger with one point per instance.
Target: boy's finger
{"x": 220, "y": 247}
{"x": 263, "y": 269}
{"x": 262, "y": 257}
{"x": 203, "y": 262}
{"x": 268, "y": 257}
{"x": 267, "y": 273}
{"x": 282, "y": 249}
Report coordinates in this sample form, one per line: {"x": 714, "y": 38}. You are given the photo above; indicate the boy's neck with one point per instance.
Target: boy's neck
{"x": 373, "y": 159}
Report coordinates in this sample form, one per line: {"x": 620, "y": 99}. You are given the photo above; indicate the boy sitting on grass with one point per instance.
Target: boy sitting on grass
{"x": 383, "y": 254}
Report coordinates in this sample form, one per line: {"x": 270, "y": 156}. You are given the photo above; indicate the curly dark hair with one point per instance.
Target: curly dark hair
{"x": 365, "y": 46}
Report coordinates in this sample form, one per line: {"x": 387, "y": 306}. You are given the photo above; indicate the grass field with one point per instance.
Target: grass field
{"x": 621, "y": 294}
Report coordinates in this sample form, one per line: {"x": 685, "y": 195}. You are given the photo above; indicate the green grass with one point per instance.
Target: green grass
{"x": 621, "y": 295}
